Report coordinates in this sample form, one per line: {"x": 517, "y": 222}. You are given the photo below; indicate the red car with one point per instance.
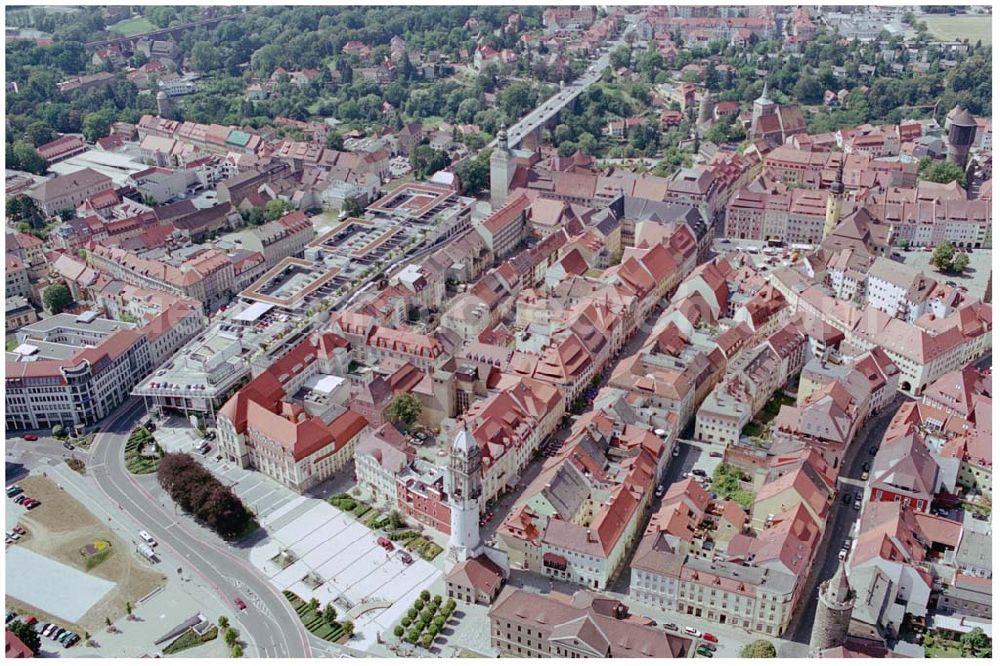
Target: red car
{"x": 240, "y": 603}
{"x": 31, "y": 438}
{"x": 710, "y": 638}
{"x": 385, "y": 543}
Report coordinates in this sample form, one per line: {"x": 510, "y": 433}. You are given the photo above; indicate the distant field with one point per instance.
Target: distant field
{"x": 959, "y": 27}
{"x": 134, "y": 26}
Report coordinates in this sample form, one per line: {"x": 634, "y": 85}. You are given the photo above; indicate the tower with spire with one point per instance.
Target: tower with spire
{"x": 500, "y": 170}
{"x": 761, "y": 106}
{"x": 835, "y": 200}
{"x": 833, "y": 613}
{"x": 464, "y": 486}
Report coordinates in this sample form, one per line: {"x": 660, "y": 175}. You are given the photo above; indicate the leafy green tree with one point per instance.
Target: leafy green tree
{"x": 329, "y": 614}
{"x": 944, "y": 255}
{"x": 26, "y": 634}
{"x": 353, "y": 207}
{"x": 405, "y": 409}
{"x": 426, "y": 160}
{"x": 230, "y": 636}
{"x": 399, "y": 631}
{"x": 205, "y": 56}
{"x": 348, "y": 628}
{"x": 941, "y": 172}
{"x": 237, "y": 651}
{"x": 97, "y": 124}
{"x": 57, "y": 298}
{"x": 960, "y": 263}
{"x": 977, "y": 643}
{"x": 23, "y": 156}
{"x": 474, "y": 174}
{"x": 38, "y": 133}
{"x": 759, "y": 649}
{"x": 223, "y": 621}
{"x": 275, "y": 208}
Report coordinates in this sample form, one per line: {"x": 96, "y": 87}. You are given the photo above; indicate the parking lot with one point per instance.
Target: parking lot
{"x": 976, "y": 275}
{"x": 349, "y": 568}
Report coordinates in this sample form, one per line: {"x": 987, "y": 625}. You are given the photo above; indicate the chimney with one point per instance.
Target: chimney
{"x": 589, "y": 537}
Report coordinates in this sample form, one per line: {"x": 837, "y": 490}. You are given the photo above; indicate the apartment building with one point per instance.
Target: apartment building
{"x": 526, "y": 624}
{"x": 69, "y": 191}
{"x": 73, "y": 370}
{"x": 208, "y": 276}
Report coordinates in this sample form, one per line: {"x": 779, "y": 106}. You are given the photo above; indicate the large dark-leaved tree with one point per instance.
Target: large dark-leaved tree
{"x": 202, "y": 495}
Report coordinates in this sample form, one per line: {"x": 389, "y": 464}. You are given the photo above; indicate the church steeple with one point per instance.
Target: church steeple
{"x": 835, "y": 200}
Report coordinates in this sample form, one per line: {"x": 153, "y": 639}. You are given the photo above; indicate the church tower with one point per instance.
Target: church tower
{"x": 761, "y": 106}
{"x": 835, "y": 200}
{"x": 500, "y": 170}
{"x": 833, "y": 613}
{"x": 464, "y": 485}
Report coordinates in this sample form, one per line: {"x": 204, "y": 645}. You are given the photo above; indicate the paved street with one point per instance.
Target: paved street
{"x": 269, "y": 620}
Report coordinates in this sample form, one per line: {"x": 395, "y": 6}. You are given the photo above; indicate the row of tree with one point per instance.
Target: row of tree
{"x": 202, "y": 495}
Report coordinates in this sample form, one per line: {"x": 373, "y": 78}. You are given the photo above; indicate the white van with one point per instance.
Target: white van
{"x": 145, "y": 536}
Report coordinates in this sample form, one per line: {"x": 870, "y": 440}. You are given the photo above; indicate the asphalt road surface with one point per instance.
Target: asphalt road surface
{"x": 271, "y": 622}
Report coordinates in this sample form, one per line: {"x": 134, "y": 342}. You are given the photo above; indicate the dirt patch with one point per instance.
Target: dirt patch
{"x": 60, "y": 528}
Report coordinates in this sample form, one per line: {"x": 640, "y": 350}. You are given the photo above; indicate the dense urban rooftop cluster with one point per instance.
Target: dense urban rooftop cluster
{"x": 552, "y": 335}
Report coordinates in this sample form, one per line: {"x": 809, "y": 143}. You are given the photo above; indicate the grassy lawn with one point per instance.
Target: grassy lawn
{"x": 313, "y": 619}
{"x": 132, "y": 26}
{"x": 135, "y": 461}
{"x": 941, "y": 649}
{"x": 959, "y": 27}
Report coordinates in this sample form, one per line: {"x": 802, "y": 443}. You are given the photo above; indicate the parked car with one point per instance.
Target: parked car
{"x": 385, "y": 543}
{"x": 14, "y": 491}
{"x": 857, "y": 505}
{"x": 691, "y": 631}
{"x": 30, "y": 438}
{"x": 866, "y": 468}
{"x": 676, "y": 452}
{"x": 864, "y": 476}
{"x": 847, "y": 543}
{"x": 671, "y": 626}
{"x": 31, "y": 504}
{"x": 659, "y": 491}
{"x": 710, "y": 637}
{"x": 20, "y": 530}
{"x": 242, "y": 605}
{"x": 47, "y": 629}
{"x": 67, "y": 445}
{"x": 715, "y": 454}
{"x": 704, "y": 651}
{"x": 847, "y": 498}
{"x": 70, "y": 640}
{"x": 842, "y": 555}
{"x": 979, "y": 515}
{"x": 147, "y": 537}
{"x": 699, "y": 472}
{"x": 10, "y": 616}
{"x": 406, "y": 557}
{"x": 31, "y": 620}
